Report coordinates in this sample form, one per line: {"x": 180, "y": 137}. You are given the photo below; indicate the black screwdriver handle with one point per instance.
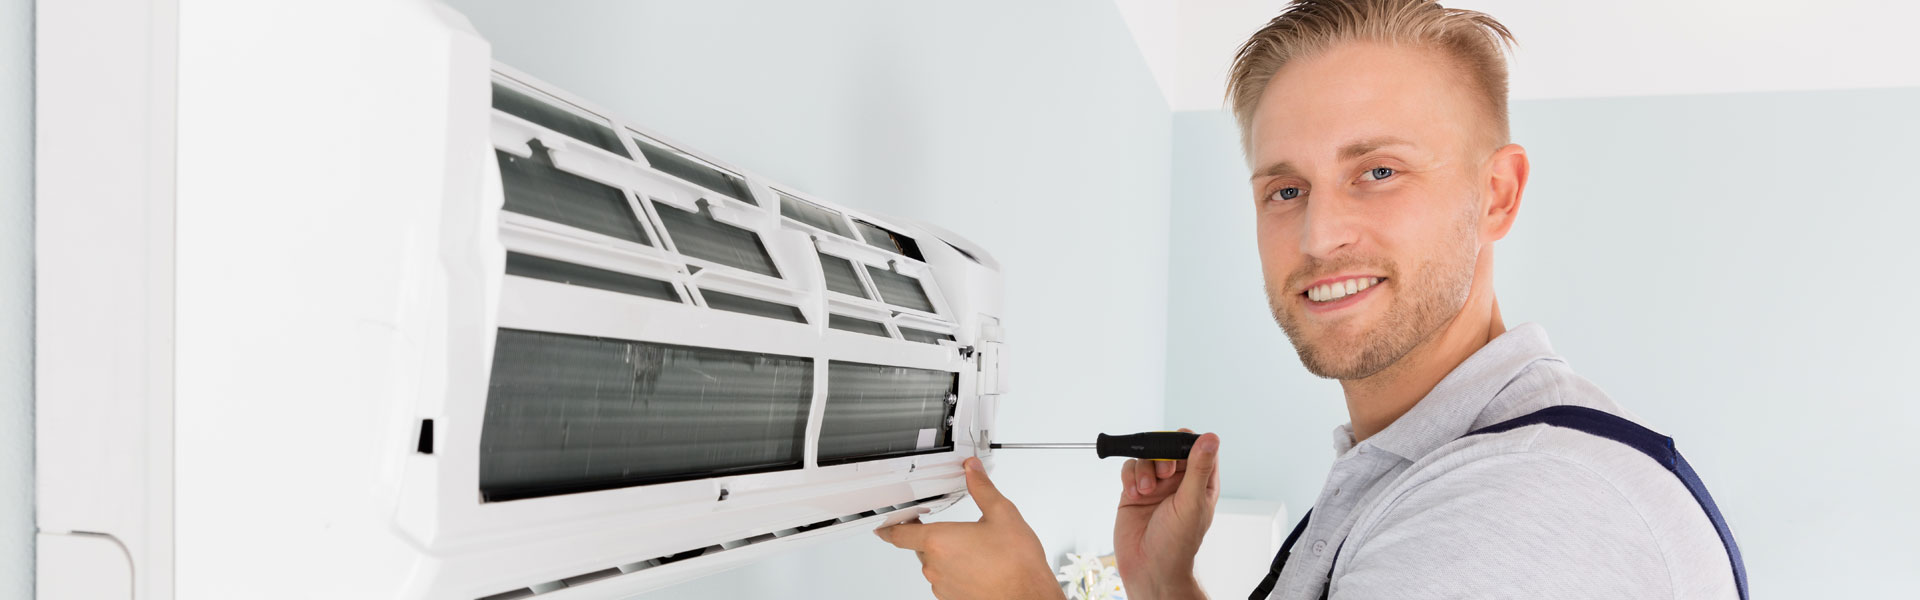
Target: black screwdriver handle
{"x": 1157, "y": 445}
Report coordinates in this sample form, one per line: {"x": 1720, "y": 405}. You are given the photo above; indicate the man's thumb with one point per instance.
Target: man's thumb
{"x": 985, "y": 495}
{"x": 1200, "y": 488}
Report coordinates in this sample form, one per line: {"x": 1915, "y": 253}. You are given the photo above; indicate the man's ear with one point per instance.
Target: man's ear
{"x": 1506, "y": 181}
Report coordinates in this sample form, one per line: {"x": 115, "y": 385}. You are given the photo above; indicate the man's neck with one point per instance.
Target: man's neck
{"x": 1377, "y": 401}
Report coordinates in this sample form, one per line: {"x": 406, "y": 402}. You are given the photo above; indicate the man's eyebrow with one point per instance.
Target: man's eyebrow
{"x": 1350, "y": 151}
{"x": 1276, "y": 170}
{"x": 1362, "y": 147}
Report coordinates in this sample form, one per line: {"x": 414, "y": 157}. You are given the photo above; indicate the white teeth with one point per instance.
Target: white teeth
{"x": 1340, "y": 289}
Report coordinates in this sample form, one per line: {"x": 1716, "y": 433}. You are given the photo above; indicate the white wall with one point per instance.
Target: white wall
{"x": 1646, "y": 47}
{"x": 1594, "y": 49}
{"x": 1738, "y": 269}
{"x": 1035, "y": 129}
{"x": 16, "y": 299}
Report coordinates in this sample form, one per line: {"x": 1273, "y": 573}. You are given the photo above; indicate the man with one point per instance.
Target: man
{"x": 1376, "y": 131}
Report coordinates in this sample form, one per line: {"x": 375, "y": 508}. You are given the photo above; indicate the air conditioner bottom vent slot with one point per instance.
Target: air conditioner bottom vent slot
{"x": 592, "y": 576}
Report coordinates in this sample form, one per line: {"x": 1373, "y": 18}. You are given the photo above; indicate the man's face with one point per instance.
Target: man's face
{"x": 1367, "y": 187}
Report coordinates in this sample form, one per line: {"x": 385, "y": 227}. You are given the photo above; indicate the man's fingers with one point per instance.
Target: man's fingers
{"x": 916, "y": 536}
{"x": 985, "y": 495}
{"x": 1202, "y": 485}
{"x": 911, "y": 535}
{"x": 1152, "y": 478}
{"x": 1138, "y": 478}
{"x": 1214, "y": 484}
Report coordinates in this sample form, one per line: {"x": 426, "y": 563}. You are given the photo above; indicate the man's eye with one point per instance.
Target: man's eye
{"x": 1377, "y": 173}
{"x": 1286, "y": 193}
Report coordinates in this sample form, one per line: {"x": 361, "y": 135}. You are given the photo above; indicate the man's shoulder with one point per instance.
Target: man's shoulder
{"x": 1496, "y": 512}
{"x": 1512, "y": 453}
{"x": 1571, "y": 478}
{"x": 1603, "y": 464}
{"x": 1555, "y": 469}
{"x": 1524, "y": 496}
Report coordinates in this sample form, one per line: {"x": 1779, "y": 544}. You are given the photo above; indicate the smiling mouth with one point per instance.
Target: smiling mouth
{"x": 1331, "y": 292}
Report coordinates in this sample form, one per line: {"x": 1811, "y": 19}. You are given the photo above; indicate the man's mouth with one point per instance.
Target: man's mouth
{"x": 1334, "y": 291}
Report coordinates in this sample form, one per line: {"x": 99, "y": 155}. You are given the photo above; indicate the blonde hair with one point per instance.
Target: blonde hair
{"x": 1472, "y": 39}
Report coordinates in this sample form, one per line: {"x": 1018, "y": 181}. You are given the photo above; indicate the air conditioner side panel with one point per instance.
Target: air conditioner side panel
{"x": 321, "y": 145}
{"x": 72, "y": 565}
{"x": 104, "y": 205}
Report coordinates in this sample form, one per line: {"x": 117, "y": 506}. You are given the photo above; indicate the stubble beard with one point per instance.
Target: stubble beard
{"x": 1424, "y": 301}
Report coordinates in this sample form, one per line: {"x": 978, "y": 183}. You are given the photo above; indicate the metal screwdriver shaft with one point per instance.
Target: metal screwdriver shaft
{"x": 998, "y": 446}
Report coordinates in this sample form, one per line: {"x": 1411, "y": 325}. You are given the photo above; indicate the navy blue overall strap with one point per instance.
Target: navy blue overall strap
{"x": 1594, "y": 422}
{"x": 1658, "y": 447}
{"x": 1280, "y": 560}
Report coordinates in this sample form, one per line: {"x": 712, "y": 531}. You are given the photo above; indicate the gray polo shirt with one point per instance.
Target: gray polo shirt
{"x": 1536, "y": 512}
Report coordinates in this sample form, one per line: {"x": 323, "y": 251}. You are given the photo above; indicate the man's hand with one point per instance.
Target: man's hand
{"x": 997, "y": 557}
{"x": 1165, "y": 509}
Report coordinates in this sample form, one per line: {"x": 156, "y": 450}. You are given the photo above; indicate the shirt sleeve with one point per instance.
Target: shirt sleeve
{"x": 1519, "y": 525}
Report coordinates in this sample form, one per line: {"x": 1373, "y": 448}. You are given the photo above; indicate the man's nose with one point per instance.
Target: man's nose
{"x": 1331, "y": 226}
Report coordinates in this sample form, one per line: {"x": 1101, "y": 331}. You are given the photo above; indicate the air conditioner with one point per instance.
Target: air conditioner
{"x": 392, "y": 320}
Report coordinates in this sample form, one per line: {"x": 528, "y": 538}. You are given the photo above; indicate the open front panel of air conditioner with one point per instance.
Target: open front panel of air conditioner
{"x": 688, "y": 366}
{"x": 713, "y": 360}
{"x": 465, "y": 336}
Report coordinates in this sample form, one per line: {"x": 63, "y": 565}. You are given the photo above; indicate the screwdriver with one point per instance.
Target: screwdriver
{"x": 1151, "y": 445}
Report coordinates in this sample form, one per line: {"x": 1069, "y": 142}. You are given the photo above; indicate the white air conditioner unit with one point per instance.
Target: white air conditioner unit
{"x": 393, "y": 321}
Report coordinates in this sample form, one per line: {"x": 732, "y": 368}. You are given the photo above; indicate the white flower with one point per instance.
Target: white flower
{"x": 1086, "y": 577}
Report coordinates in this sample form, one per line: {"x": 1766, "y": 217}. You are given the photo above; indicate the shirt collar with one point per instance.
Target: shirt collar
{"x": 1450, "y": 409}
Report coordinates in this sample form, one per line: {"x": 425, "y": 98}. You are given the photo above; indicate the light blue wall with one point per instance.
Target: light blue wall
{"x": 1032, "y": 128}
{"x": 16, "y": 299}
{"x": 1739, "y": 270}
{"x": 1229, "y": 367}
